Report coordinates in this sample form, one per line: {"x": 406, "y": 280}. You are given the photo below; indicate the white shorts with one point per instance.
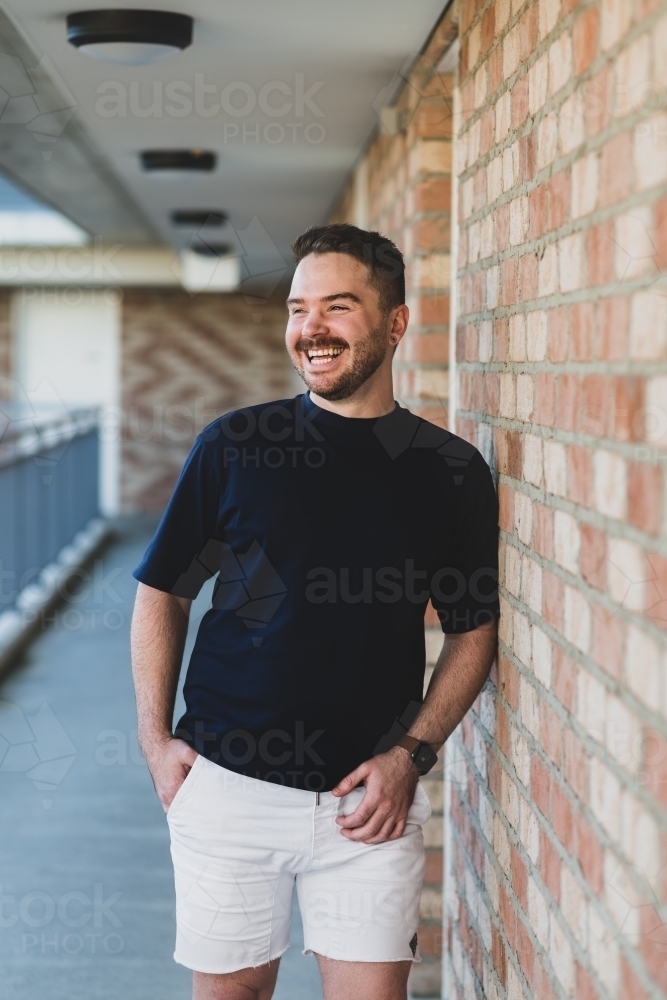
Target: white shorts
{"x": 239, "y": 845}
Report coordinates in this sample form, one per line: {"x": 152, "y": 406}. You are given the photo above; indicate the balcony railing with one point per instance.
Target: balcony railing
{"x": 48, "y": 490}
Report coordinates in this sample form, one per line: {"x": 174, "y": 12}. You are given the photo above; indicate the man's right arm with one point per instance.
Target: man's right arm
{"x": 159, "y": 628}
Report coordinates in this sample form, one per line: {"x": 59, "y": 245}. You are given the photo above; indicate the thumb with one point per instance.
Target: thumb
{"x": 351, "y": 780}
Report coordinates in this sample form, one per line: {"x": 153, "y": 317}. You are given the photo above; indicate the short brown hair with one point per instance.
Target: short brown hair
{"x": 382, "y": 257}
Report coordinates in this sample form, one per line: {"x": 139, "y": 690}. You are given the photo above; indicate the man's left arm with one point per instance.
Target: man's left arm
{"x": 390, "y": 778}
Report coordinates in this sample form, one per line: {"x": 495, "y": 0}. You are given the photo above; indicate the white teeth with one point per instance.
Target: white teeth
{"x": 324, "y": 355}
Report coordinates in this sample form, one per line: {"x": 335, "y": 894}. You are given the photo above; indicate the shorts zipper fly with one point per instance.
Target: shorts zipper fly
{"x": 317, "y": 798}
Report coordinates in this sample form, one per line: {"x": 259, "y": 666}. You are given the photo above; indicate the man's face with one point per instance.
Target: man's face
{"x": 337, "y": 336}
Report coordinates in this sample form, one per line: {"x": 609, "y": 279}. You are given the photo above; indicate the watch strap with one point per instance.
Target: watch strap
{"x": 409, "y": 743}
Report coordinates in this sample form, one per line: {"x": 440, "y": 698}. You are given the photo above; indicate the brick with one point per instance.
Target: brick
{"x": 593, "y": 556}
{"x": 540, "y": 786}
{"x": 628, "y": 408}
{"x": 600, "y": 251}
{"x": 525, "y": 951}
{"x": 613, "y": 327}
{"x": 544, "y": 987}
{"x": 566, "y": 541}
{"x": 610, "y": 484}
{"x": 547, "y": 140}
{"x": 558, "y": 200}
{"x": 568, "y": 401}
{"x": 656, "y": 597}
{"x": 596, "y": 410}
{"x": 589, "y": 854}
{"x": 550, "y": 730}
{"x": 645, "y": 497}
{"x": 537, "y": 211}
{"x": 561, "y": 817}
{"x": 576, "y": 769}
{"x": 555, "y": 468}
{"x": 630, "y": 985}
{"x": 627, "y": 574}
{"x": 545, "y": 400}
{"x": 558, "y": 333}
{"x": 648, "y": 326}
{"x": 560, "y": 62}
{"x": 528, "y": 277}
{"x": 528, "y": 29}
{"x": 615, "y": 19}
{"x": 585, "y": 34}
{"x": 585, "y": 987}
{"x": 585, "y": 185}
{"x": 580, "y": 474}
{"x": 571, "y": 124}
{"x": 543, "y": 530}
{"x": 571, "y": 262}
{"x": 608, "y": 643}
{"x": 519, "y": 102}
{"x": 538, "y": 78}
{"x": 549, "y": 12}
{"x": 508, "y": 682}
{"x": 615, "y": 169}
{"x": 598, "y": 101}
{"x": 498, "y": 955}
{"x": 565, "y": 678}
{"x": 654, "y": 944}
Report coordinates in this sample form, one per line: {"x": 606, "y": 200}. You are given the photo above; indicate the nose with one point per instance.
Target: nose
{"x": 315, "y": 323}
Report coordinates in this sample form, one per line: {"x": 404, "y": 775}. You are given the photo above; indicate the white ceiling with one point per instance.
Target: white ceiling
{"x": 271, "y": 190}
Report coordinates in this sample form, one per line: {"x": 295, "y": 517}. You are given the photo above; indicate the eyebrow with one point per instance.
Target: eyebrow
{"x": 330, "y": 298}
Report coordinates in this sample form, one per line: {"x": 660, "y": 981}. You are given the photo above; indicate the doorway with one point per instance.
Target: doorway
{"x": 67, "y": 354}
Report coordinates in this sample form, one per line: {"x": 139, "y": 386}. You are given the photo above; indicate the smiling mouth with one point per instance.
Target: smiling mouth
{"x": 324, "y": 355}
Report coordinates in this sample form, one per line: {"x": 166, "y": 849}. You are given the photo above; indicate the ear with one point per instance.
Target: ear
{"x": 398, "y": 324}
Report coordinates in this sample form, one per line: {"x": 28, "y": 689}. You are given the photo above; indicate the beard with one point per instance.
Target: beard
{"x": 366, "y": 359}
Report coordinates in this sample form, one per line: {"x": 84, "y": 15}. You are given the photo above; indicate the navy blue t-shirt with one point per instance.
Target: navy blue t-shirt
{"x": 328, "y": 536}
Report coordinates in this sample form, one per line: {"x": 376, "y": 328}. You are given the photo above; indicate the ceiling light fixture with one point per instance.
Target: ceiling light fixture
{"x": 205, "y": 249}
{"x": 197, "y": 217}
{"x": 129, "y": 37}
{"x": 175, "y": 161}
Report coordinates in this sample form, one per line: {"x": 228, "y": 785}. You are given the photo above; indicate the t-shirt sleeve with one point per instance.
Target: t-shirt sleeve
{"x": 185, "y": 550}
{"x": 465, "y": 593}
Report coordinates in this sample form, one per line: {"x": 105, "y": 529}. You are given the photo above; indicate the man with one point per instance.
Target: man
{"x": 331, "y": 519}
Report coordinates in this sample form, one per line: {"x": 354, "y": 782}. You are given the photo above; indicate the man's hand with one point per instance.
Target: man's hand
{"x": 390, "y": 780}
{"x": 169, "y": 763}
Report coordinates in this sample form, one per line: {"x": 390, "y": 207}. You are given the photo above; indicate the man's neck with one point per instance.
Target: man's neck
{"x": 377, "y": 403}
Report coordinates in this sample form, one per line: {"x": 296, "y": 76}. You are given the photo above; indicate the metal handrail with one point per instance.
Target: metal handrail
{"x": 24, "y": 433}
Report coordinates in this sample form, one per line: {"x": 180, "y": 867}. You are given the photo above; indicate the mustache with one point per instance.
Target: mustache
{"x": 306, "y": 344}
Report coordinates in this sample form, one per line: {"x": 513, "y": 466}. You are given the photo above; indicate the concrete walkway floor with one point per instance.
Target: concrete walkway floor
{"x": 86, "y": 896}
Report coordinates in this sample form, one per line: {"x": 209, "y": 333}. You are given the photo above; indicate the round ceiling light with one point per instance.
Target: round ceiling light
{"x": 205, "y": 249}
{"x": 197, "y": 217}
{"x": 129, "y": 37}
{"x": 177, "y": 162}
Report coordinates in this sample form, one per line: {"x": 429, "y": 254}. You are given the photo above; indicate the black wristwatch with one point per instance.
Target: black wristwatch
{"x": 423, "y": 755}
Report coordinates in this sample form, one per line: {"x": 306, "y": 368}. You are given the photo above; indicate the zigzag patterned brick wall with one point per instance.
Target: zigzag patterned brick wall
{"x": 185, "y": 360}
{"x": 558, "y": 812}
{"x": 6, "y": 371}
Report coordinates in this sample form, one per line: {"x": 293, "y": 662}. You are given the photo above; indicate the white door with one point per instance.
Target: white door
{"x": 67, "y": 344}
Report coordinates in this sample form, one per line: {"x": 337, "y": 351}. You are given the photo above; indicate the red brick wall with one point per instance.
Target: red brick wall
{"x": 185, "y": 360}
{"x": 556, "y": 880}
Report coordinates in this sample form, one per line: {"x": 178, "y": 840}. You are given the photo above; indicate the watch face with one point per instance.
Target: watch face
{"x": 425, "y": 758}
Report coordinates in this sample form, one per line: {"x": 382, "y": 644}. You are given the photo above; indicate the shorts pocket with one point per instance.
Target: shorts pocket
{"x": 421, "y": 805}
{"x": 187, "y": 781}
